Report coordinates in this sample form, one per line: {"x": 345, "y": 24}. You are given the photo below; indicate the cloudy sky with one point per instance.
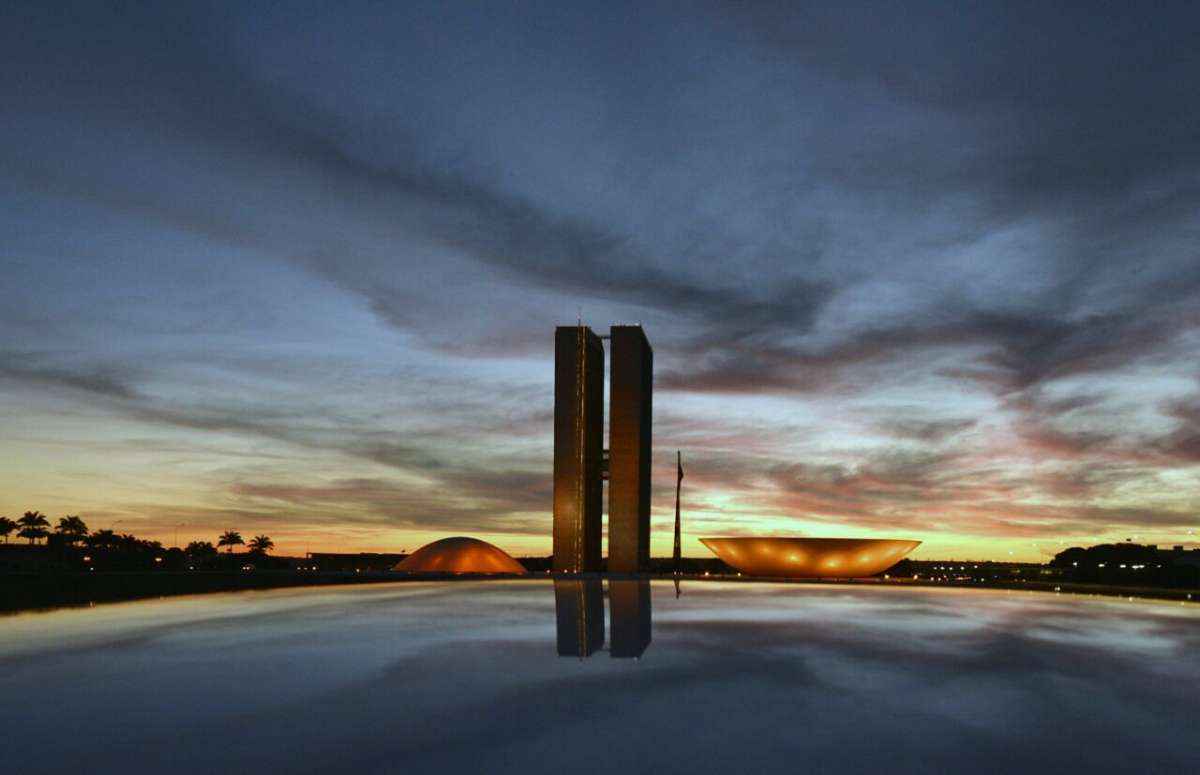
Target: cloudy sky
{"x": 926, "y": 271}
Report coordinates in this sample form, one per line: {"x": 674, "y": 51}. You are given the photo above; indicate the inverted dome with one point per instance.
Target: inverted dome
{"x": 813, "y": 558}
{"x": 459, "y": 554}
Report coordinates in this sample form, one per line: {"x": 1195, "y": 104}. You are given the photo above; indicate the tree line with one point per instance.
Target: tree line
{"x": 73, "y": 531}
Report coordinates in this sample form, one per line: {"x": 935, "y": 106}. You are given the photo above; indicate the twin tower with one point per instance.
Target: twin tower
{"x": 581, "y": 463}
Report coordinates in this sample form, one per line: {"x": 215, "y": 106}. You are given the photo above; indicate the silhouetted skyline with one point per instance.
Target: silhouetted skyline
{"x": 908, "y": 270}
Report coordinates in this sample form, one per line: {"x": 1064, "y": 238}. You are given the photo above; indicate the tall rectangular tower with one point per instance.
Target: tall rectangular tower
{"x": 629, "y": 450}
{"x": 578, "y": 448}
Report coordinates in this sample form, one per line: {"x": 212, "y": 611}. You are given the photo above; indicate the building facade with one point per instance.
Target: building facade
{"x": 578, "y": 448}
{"x": 630, "y": 393}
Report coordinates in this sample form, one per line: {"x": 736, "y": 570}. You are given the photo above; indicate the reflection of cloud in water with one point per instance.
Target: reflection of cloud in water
{"x": 465, "y": 677}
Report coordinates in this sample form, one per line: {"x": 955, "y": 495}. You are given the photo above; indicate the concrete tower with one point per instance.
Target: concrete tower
{"x": 629, "y": 450}
{"x": 578, "y": 448}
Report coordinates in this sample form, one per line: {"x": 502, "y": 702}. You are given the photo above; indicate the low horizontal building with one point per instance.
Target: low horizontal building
{"x": 362, "y": 562}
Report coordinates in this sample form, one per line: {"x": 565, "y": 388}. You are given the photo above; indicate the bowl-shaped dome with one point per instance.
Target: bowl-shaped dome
{"x": 811, "y": 558}
{"x": 459, "y": 555}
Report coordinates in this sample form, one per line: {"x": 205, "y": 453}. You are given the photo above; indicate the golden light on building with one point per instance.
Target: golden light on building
{"x": 460, "y": 554}
{"x": 810, "y": 557}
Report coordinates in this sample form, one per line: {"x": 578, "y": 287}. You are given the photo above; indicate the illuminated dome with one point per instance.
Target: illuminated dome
{"x": 459, "y": 555}
{"x": 811, "y": 558}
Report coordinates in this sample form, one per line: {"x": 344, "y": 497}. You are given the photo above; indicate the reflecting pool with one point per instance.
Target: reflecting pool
{"x": 530, "y": 676}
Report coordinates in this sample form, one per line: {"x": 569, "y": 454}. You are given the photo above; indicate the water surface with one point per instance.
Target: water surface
{"x": 520, "y": 677}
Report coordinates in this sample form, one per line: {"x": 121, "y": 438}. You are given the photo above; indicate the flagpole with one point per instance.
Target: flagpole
{"x": 678, "y": 483}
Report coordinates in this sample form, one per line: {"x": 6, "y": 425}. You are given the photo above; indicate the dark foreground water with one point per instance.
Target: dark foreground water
{"x": 520, "y": 677}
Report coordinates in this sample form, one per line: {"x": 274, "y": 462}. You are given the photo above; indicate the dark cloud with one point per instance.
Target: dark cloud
{"x": 469, "y": 491}
{"x": 458, "y": 503}
{"x": 1092, "y": 479}
{"x": 1015, "y": 352}
{"x": 1183, "y": 443}
{"x": 1040, "y": 423}
{"x": 925, "y": 430}
{"x": 1079, "y": 83}
{"x": 35, "y": 368}
{"x": 928, "y": 493}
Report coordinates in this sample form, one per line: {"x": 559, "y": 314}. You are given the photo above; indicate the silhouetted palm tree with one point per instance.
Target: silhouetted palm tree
{"x": 72, "y": 529}
{"x": 7, "y": 526}
{"x": 102, "y": 539}
{"x": 200, "y": 549}
{"x": 231, "y": 538}
{"x": 33, "y": 526}
{"x": 261, "y": 544}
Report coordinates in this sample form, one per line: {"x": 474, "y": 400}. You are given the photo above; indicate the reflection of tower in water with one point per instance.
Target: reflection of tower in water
{"x": 629, "y": 607}
{"x": 579, "y": 611}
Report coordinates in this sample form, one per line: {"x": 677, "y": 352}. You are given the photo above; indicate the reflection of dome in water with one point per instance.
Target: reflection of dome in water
{"x": 839, "y": 558}
{"x": 459, "y": 555}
